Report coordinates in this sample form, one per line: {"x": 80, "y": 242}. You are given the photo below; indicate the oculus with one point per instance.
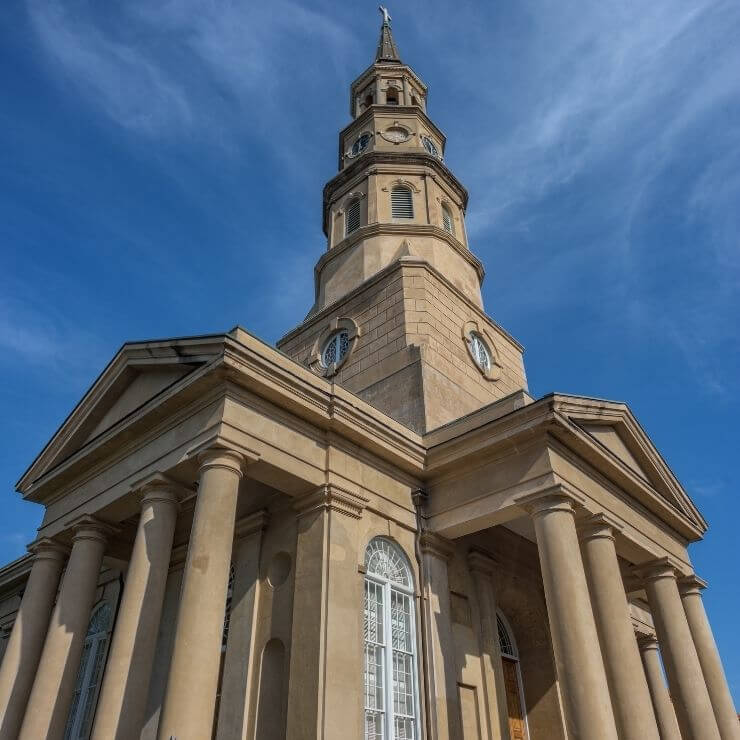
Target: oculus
{"x": 396, "y": 134}
{"x": 481, "y": 350}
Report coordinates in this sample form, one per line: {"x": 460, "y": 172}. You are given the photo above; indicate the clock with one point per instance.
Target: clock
{"x": 430, "y": 146}
{"x": 360, "y": 145}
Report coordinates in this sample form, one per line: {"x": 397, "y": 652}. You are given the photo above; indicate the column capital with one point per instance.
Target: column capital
{"x": 597, "y": 526}
{"x": 329, "y": 497}
{"x": 159, "y": 487}
{"x": 691, "y": 585}
{"x": 479, "y": 561}
{"x": 647, "y": 641}
{"x": 87, "y": 527}
{"x": 656, "y": 570}
{"x": 434, "y": 544}
{"x": 555, "y": 498}
{"x": 46, "y": 548}
{"x": 217, "y": 451}
{"x": 251, "y": 524}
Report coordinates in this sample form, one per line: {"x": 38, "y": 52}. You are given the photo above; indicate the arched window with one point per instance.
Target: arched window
{"x": 391, "y": 704}
{"x": 89, "y": 674}
{"x": 391, "y": 96}
{"x": 352, "y": 217}
{"x": 512, "y": 680}
{"x": 402, "y": 202}
{"x": 368, "y": 101}
{"x": 447, "y": 222}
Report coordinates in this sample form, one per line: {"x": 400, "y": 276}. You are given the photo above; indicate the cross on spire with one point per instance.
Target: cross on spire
{"x": 387, "y": 49}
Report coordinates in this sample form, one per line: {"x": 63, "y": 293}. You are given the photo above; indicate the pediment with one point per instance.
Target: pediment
{"x": 612, "y": 429}
{"x": 137, "y": 375}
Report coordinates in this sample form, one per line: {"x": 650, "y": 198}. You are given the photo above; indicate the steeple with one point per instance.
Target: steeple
{"x": 387, "y": 49}
{"x": 398, "y": 315}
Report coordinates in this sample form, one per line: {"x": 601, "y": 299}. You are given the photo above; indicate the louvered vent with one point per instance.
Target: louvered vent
{"x": 352, "y": 217}
{"x": 447, "y": 220}
{"x": 402, "y": 205}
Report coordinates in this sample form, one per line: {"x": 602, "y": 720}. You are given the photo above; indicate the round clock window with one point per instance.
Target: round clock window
{"x": 481, "y": 353}
{"x": 335, "y": 348}
{"x": 360, "y": 145}
{"x": 430, "y": 146}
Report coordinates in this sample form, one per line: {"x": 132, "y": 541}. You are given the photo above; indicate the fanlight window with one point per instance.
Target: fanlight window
{"x": 89, "y": 674}
{"x": 505, "y": 644}
{"x": 335, "y": 348}
{"x": 402, "y": 203}
{"x": 481, "y": 353}
{"x": 447, "y": 222}
{"x": 352, "y": 216}
{"x": 391, "y": 705}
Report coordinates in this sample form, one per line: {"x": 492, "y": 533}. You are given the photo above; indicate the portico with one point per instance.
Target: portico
{"x": 374, "y": 530}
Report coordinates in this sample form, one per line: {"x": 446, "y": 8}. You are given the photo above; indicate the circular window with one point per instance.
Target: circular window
{"x": 335, "y": 348}
{"x": 481, "y": 353}
{"x": 430, "y": 146}
{"x": 360, "y": 145}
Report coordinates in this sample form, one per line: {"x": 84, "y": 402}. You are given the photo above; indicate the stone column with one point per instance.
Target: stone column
{"x": 27, "y": 637}
{"x": 665, "y": 714}
{"x": 236, "y": 681}
{"x": 685, "y": 679}
{"x": 631, "y": 702}
{"x": 711, "y": 664}
{"x": 123, "y": 696}
{"x": 575, "y": 642}
{"x": 326, "y": 658}
{"x": 189, "y": 702}
{"x": 54, "y": 685}
{"x": 481, "y": 567}
{"x": 443, "y": 703}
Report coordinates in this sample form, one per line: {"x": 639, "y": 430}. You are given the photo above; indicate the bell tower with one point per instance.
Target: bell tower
{"x": 398, "y": 316}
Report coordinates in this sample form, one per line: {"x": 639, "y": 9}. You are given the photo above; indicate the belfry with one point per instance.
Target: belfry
{"x": 371, "y": 531}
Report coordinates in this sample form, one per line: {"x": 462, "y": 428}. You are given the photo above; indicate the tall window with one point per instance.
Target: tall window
{"x": 82, "y": 710}
{"x": 402, "y": 203}
{"x": 447, "y": 222}
{"x": 352, "y": 216}
{"x": 512, "y": 681}
{"x": 390, "y": 644}
{"x": 391, "y": 96}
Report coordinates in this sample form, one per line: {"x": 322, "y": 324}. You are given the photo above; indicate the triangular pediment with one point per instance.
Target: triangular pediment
{"x": 138, "y": 374}
{"x": 614, "y": 434}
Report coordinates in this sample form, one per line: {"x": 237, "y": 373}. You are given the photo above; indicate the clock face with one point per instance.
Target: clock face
{"x": 430, "y": 146}
{"x": 360, "y": 145}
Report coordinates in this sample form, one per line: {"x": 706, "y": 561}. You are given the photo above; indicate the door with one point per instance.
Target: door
{"x": 517, "y": 725}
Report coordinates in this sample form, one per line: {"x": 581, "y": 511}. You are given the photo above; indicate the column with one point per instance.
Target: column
{"x": 481, "y": 568}
{"x": 685, "y": 679}
{"x": 711, "y": 664}
{"x": 123, "y": 695}
{"x": 188, "y": 708}
{"x": 443, "y": 703}
{"x": 236, "y": 681}
{"x": 665, "y": 714}
{"x": 27, "y": 637}
{"x": 325, "y": 687}
{"x": 54, "y": 684}
{"x": 575, "y": 642}
{"x": 633, "y": 710}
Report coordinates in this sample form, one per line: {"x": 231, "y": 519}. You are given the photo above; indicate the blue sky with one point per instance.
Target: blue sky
{"x": 162, "y": 166}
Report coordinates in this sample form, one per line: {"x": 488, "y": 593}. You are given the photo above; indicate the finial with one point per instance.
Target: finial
{"x": 386, "y": 15}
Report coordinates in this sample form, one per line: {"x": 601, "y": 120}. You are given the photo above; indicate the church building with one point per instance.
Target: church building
{"x": 371, "y": 531}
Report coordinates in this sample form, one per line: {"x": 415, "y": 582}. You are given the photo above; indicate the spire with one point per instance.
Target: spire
{"x": 387, "y": 49}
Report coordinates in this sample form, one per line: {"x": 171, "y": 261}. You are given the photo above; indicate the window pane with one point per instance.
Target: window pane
{"x": 403, "y": 684}
{"x": 374, "y": 683}
{"x": 374, "y": 722}
{"x": 373, "y": 613}
{"x": 401, "y": 621}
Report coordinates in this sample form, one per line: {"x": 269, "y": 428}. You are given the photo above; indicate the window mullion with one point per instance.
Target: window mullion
{"x": 390, "y": 708}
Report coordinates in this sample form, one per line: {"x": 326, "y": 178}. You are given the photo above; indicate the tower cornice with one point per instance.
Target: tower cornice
{"x": 365, "y": 77}
{"x": 372, "y": 159}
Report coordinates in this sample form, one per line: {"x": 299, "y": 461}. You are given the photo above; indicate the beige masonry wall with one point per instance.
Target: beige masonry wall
{"x": 409, "y": 315}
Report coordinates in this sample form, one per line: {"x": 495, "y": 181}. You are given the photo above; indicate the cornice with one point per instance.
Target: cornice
{"x": 409, "y": 230}
{"x": 374, "y": 158}
{"x": 330, "y": 497}
{"x": 381, "y": 66}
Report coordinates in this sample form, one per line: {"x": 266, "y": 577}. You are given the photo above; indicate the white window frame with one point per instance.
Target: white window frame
{"x": 389, "y": 730}
{"x": 448, "y": 220}
{"x": 336, "y": 340}
{"x": 85, "y": 674}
